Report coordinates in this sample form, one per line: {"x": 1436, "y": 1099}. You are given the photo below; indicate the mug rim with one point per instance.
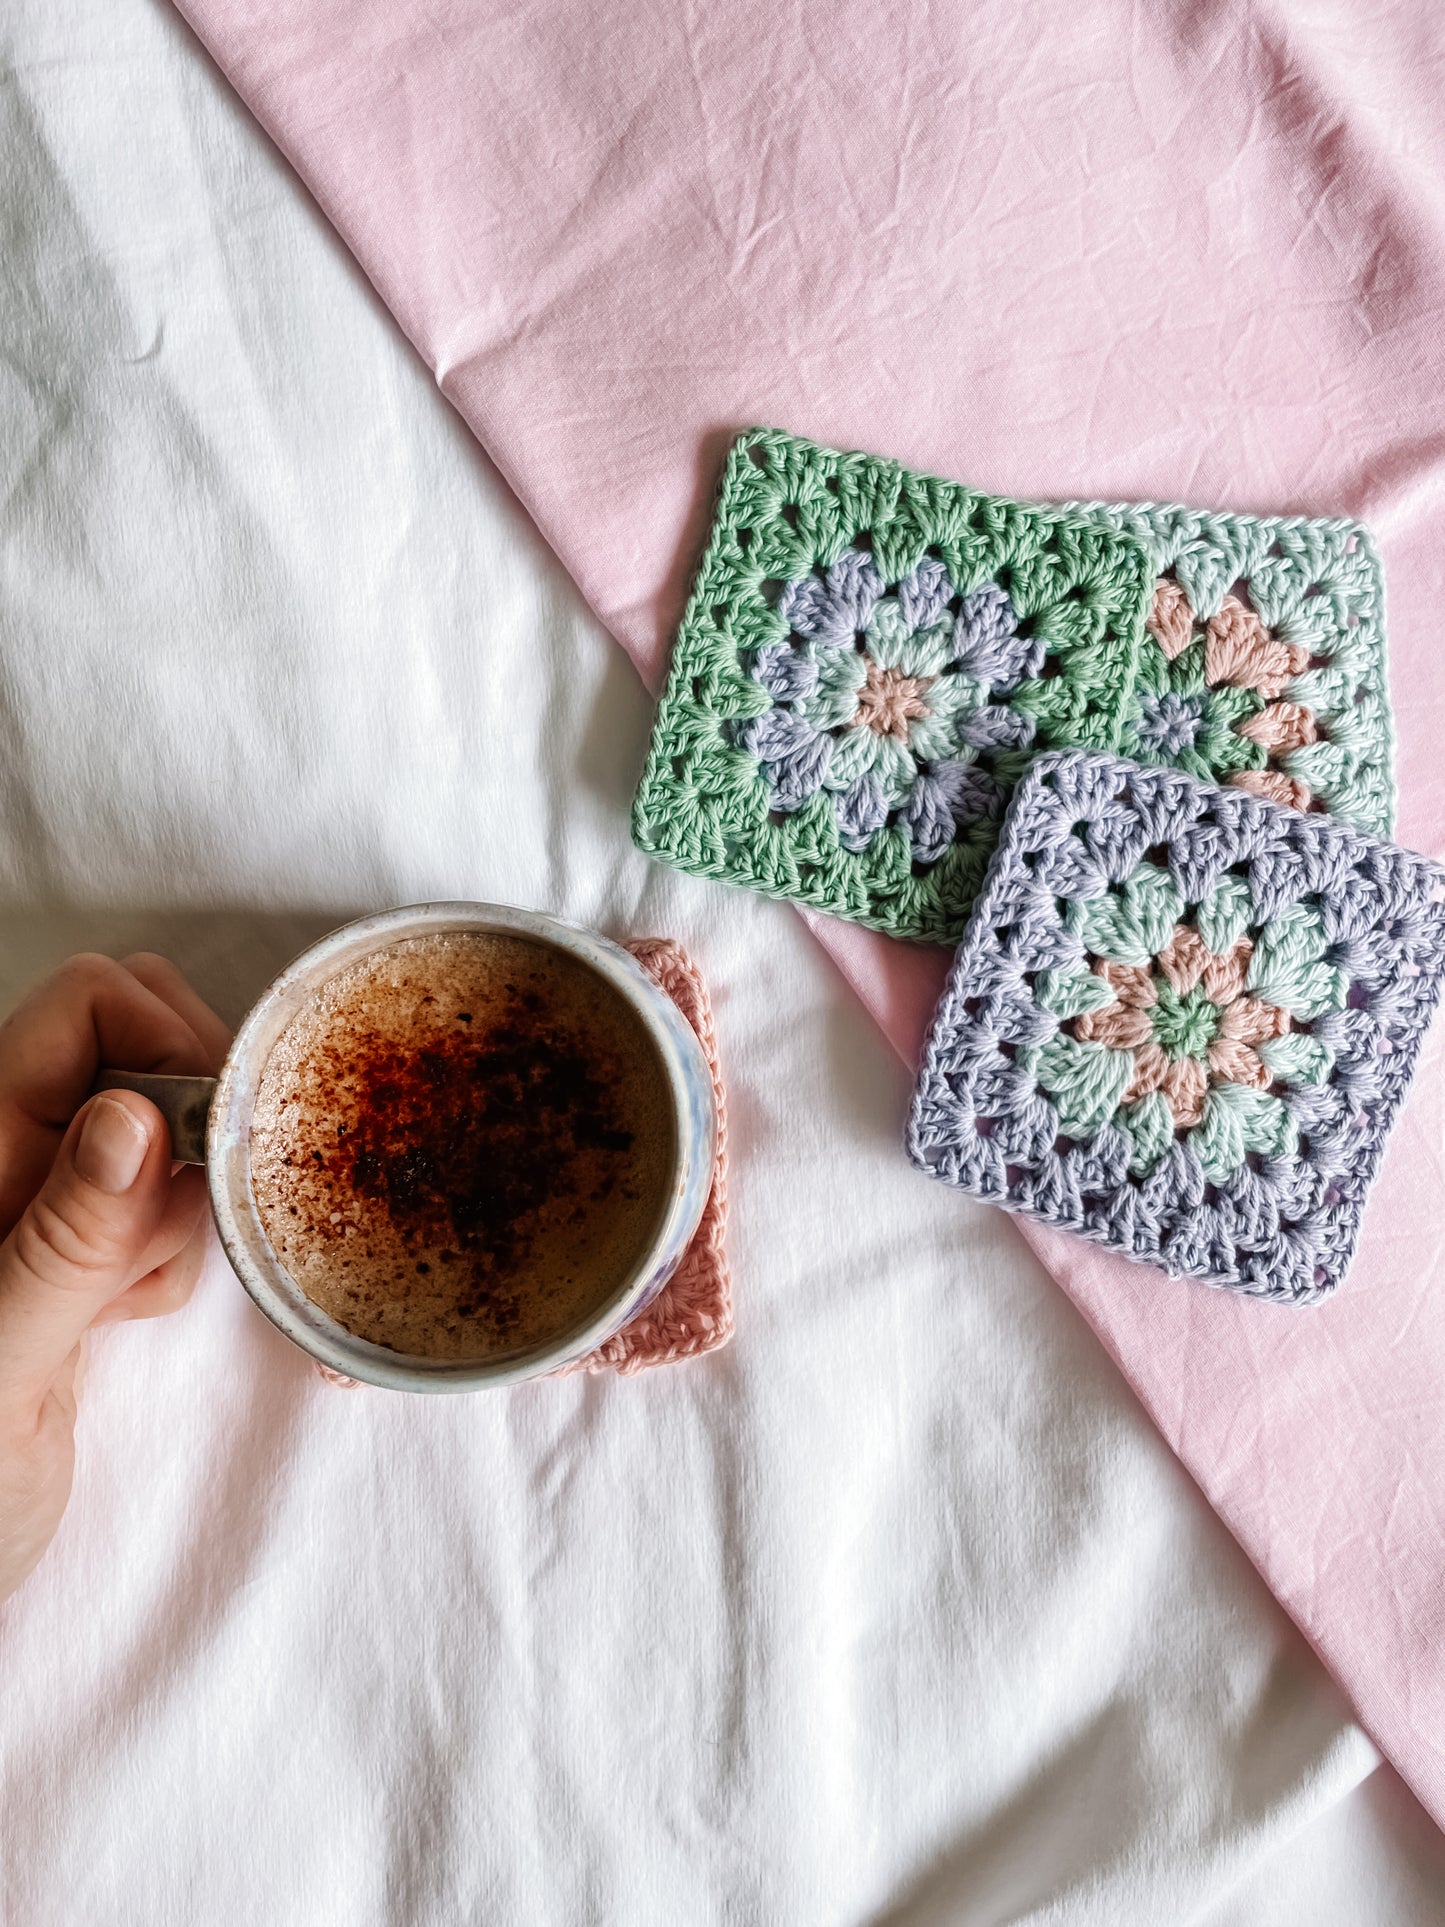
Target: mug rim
{"x": 243, "y": 1238}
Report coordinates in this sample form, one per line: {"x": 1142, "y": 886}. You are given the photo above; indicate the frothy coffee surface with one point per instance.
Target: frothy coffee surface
{"x": 461, "y": 1145}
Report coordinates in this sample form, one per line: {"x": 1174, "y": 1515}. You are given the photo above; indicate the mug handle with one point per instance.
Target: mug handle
{"x": 183, "y": 1102}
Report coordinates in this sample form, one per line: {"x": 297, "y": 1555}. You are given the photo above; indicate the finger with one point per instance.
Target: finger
{"x": 107, "y": 1214}
{"x": 91, "y": 1012}
{"x": 65, "y": 1386}
{"x": 166, "y": 1289}
{"x": 161, "y": 977}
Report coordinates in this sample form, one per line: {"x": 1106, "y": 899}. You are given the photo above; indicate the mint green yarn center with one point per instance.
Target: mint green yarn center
{"x": 1184, "y": 1026}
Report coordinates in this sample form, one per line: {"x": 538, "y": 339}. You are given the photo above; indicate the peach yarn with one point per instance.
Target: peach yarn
{"x": 1241, "y": 652}
{"x": 693, "y": 1313}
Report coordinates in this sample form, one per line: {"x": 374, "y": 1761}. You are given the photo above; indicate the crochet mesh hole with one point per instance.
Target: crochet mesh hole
{"x": 720, "y": 615}
{"x": 745, "y": 540}
{"x": 789, "y": 513}
{"x": 758, "y": 456}
{"x": 864, "y": 540}
{"x": 679, "y": 767}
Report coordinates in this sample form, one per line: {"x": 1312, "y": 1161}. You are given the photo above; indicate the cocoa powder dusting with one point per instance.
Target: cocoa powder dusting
{"x": 462, "y": 1145}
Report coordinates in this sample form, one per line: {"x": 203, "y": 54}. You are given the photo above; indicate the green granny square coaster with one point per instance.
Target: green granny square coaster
{"x": 869, "y": 659}
{"x": 1263, "y": 661}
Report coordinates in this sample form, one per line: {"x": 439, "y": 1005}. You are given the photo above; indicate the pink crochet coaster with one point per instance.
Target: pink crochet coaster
{"x": 693, "y": 1313}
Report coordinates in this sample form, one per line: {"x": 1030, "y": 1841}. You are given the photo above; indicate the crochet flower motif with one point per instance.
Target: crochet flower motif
{"x": 884, "y": 700}
{"x": 1188, "y": 1022}
{"x": 1211, "y": 697}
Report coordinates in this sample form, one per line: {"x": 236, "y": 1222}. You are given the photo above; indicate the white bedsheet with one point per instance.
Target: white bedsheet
{"x": 896, "y": 1612}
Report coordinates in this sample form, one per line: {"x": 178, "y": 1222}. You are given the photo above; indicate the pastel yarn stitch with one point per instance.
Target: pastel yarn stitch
{"x": 887, "y": 702}
{"x": 1182, "y": 1023}
{"x": 867, "y": 661}
{"x": 1263, "y": 664}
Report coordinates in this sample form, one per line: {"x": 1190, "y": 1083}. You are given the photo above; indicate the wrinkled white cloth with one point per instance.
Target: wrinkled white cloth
{"x": 898, "y": 1611}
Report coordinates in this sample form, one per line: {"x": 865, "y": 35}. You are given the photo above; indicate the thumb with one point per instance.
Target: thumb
{"x": 107, "y": 1214}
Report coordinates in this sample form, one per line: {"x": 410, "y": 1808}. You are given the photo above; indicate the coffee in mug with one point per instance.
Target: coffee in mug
{"x": 462, "y": 1144}
{"x": 453, "y": 1145}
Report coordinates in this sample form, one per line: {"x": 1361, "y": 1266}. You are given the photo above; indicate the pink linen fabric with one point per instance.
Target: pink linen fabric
{"x": 1192, "y": 252}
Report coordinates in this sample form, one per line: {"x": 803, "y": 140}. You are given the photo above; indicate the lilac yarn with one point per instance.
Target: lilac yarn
{"x": 1062, "y": 1077}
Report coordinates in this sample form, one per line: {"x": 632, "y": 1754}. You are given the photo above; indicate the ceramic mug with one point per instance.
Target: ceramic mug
{"x": 210, "y": 1124}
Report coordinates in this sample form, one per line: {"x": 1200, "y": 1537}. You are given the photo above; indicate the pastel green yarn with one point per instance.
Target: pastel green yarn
{"x": 1316, "y": 582}
{"x": 760, "y": 771}
{"x": 1185, "y": 1026}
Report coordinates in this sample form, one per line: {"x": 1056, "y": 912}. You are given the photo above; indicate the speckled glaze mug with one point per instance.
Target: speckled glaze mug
{"x": 210, "y": 1124}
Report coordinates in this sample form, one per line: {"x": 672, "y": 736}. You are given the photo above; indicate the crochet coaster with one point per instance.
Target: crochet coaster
{"x": 869, "y": 659}
{"x": 1181, "y": 1023}
{"x": 693, "y": 1313}
{"x": 1263, "y": 665}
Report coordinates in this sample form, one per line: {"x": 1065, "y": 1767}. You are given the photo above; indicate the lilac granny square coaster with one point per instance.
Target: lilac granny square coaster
{"x": 1181, "y": 1023}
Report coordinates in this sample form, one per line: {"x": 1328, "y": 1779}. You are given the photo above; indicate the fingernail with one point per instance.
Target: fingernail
{"x": 112, "y": 1148}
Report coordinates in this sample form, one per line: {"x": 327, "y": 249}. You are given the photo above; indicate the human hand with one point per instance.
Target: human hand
{"x": 95, "y": 1227}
